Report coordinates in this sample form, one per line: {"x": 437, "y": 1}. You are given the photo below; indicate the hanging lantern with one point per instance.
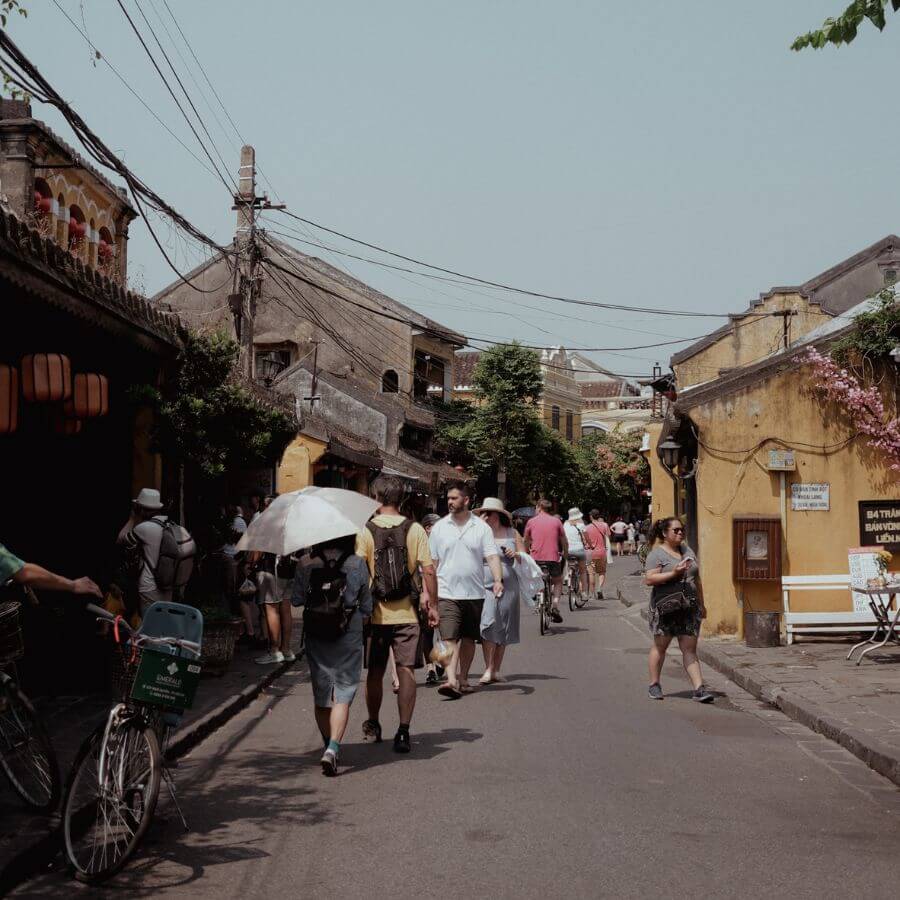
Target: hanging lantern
{"x": 67, "y": 427}
{"x": 104, "y": 251}
{"x": 46, "y": 377}
{"x": 42, "y": 204}
{"x": 9, "y": 399}
{"x": 90, "y": 396}
{"x": 77, "y": 230}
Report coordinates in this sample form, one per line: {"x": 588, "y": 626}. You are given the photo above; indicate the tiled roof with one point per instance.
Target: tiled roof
{"x": 464, "y": 368}
{"x": 592, "y": 390}
{"x": 60, "y": 276}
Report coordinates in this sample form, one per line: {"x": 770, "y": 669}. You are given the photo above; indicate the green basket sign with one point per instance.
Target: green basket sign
{"x": 164, "y": 680}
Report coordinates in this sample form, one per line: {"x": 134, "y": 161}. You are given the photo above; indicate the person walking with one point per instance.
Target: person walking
{"x": 618, "y": 531}
{"x": 432, "y": 675}
{"x": 672, "y": 570}
{"x": 461, "y": 544}
{"x": 597, "y": 535}
{"x": 575, "y": 537}
{"x": 630, "y": 539}
{"x": 500, "y": 615}
{"x": 545, "y": 540}
{"x": 332, "y": 584}
{"x": 395, "y": 549}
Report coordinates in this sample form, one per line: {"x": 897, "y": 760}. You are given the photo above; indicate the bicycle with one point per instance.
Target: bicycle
{"x": 578, "y": 598}
{"x": 26, "y": 753}
{"x": 114, "y": 784}
{"x": 545, "y": 602}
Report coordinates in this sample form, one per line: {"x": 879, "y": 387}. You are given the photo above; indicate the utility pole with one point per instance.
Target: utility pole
{"x": 248, "y": 277}
{"x": 786, "y": 325}
{"x": 315, "y": 376}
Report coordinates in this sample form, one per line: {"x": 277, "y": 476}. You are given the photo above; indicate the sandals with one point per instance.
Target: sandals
{"x": 371, "y": 731}
{"x": 450, "y": 692}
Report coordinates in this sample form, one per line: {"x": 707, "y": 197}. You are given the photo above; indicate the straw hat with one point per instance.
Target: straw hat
{"x": 493, "y": 504}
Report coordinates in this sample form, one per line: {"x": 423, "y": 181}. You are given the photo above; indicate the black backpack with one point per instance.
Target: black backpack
{"x": 325, "y": 617}
{"x": 392, "y": 580}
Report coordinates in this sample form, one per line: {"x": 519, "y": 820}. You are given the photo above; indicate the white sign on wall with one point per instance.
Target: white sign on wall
{"x": 781, "y": 461}
{"x": 806, "y": 497}
{"x": 863, "y": 566}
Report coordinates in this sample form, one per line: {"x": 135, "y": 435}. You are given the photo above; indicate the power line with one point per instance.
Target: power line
{"x": 500, "y": 285}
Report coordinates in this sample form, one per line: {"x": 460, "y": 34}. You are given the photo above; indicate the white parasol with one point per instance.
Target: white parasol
{"x": 302, "y": 518}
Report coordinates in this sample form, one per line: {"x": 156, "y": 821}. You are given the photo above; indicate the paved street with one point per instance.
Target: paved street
{"x": 566, "y": 782}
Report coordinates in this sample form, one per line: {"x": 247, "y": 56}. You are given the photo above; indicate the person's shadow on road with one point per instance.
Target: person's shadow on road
{"x": 426, "y": 745}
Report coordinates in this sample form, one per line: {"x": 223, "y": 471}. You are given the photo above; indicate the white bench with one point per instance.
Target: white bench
{"x": 821, "y": 622}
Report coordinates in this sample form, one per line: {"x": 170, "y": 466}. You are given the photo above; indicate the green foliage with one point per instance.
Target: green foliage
{"x": 207, "y": 419}
{"x": 612, "y": 469}
{"x": 875, "y": 333}
{"x": 843, "y": 29}
{"x": 7, "y": 8}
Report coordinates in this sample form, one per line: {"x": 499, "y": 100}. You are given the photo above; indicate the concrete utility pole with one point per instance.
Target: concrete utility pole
{"x": 249, "y": 278}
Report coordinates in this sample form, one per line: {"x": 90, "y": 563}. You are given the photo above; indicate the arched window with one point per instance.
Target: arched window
{"x": 390, "y": 382}
{"x": 77, "y": 229}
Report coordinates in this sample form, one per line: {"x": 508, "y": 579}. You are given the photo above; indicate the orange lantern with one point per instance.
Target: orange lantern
{"x": 9, "y": 399}
{"x": 46, "y": 377}
{"x": 66, "y": 427}
{"x": 90, "y": 396}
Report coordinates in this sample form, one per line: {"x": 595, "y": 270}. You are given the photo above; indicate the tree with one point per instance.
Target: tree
{"x": 842, "y": 30}
{"x": 612, "y": 468}
{"x": 503, "y": 429}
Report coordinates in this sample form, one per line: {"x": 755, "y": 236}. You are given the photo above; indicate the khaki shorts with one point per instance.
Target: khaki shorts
{"x": 403, "y": 639}
{"x": 460, "y": 618}
{"x": 599, "y": 564}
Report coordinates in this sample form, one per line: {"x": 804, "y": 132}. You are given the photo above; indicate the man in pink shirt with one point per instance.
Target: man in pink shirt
{"x": 545, "y": 540}
{"x": 597, "y": 534}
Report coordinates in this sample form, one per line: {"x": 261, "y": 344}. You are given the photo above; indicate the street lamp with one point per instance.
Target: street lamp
{"x": 670, "y": 450}
{"x": 268, "y": 367}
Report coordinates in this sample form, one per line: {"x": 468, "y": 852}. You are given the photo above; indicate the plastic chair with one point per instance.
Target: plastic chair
{"x": 175, "y": 620}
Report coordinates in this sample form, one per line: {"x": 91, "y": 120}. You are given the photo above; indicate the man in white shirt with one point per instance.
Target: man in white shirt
{"x": 461, "y": 544}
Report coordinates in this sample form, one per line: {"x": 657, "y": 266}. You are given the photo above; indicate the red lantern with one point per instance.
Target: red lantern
{"x": 9, "y": 399}
{"x": 42, "y": 204}
{"x": 46, "y": 377}
{"x": 104, "y": 251}
{"x": 77, "y": 230}
{"x": 67, "y": 427}
{"x": 90, "y": 396}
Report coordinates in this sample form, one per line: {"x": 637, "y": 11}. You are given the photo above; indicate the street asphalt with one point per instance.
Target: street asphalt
{"x": 566, "y": 782}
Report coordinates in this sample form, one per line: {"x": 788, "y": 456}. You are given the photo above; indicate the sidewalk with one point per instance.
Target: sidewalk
{"x": 28, "y": 842}
{"x": 811, "y": 681}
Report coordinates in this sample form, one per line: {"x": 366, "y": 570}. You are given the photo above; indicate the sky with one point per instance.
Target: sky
{"x": 653, "y": 154}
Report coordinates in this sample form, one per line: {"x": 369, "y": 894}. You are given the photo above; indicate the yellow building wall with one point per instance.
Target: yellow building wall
{"x": 295, "y": 471}
{"x": 733, "y": 482}
{"x": 752, "y": 339}
{"x": 662, "y": 489}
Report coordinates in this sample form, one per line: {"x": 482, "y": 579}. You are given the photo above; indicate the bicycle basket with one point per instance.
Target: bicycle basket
{"x": 155, "y": 678}
{"x": 12, "y": 644}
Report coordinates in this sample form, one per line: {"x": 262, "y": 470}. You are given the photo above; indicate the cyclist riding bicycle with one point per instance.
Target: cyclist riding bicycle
{"x": 546, "y": 541}
{"x": 575, "y": 536}
{"x": 34, "y": 576}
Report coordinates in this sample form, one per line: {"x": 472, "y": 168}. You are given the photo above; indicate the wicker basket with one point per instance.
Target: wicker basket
{"x": 218, "y": 645}
{"x": 123, "y": 670}
{"x": 12, "y": 645}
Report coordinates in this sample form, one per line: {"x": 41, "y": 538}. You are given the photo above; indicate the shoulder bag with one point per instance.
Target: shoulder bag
{"x": 673, "y": 598}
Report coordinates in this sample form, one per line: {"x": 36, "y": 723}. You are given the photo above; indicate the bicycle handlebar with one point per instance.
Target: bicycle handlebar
{"x": 141, "y": 638}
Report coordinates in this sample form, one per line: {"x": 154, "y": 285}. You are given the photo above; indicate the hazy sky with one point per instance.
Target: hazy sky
{"x": 660, "y": 154}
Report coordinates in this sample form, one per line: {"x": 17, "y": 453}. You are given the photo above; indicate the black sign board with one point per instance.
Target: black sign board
{"x": 879, "y": 524}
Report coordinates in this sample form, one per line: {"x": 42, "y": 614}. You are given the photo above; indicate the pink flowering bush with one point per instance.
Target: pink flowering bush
{"x": 863, "y": 406}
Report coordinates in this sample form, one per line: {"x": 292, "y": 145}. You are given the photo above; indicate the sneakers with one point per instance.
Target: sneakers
{"x": 555, "y": 616}
{"x": 599, "y": 595}
{"x": 270, "y": 659}
{"x": 401, "y": 741}
{"x": 329, "y": 763}
{"x": 371, "y": 731}
{"x": 290, "y": 656}
{"x": 702, "y": 695}
{"x": 654, "y": 692}
{"x": 431, "y": 678}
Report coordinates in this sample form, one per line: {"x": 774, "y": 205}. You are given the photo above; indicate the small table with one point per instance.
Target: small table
{"x": 880, "y": 600}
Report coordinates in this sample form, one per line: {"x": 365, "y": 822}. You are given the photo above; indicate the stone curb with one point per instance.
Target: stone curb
{"x": 878, "y": 756}
{"x": 39, "y": 856}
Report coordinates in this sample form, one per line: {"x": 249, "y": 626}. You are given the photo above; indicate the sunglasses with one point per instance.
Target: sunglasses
{"x": 677, "y": 530}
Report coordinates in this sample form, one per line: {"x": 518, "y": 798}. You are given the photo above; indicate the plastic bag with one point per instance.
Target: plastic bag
{"x": 531, "y": 578}
{"x": 247, "y": 589}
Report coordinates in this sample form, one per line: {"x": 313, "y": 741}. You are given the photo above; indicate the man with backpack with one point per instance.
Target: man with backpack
{"x": 395, "y": 549}
{"x": 164, "y": 550}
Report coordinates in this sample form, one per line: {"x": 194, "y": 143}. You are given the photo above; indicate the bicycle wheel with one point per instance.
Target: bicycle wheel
{"x": 26, "y": 754}
{"x": 103, "y": 822}
{"x": 543, "y": 618}
{"x": 571, "y": 592}
{"x": 581, "y": 601}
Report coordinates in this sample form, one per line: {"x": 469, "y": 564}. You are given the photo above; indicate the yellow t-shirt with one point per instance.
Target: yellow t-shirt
{"x": 395, "y": 612}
